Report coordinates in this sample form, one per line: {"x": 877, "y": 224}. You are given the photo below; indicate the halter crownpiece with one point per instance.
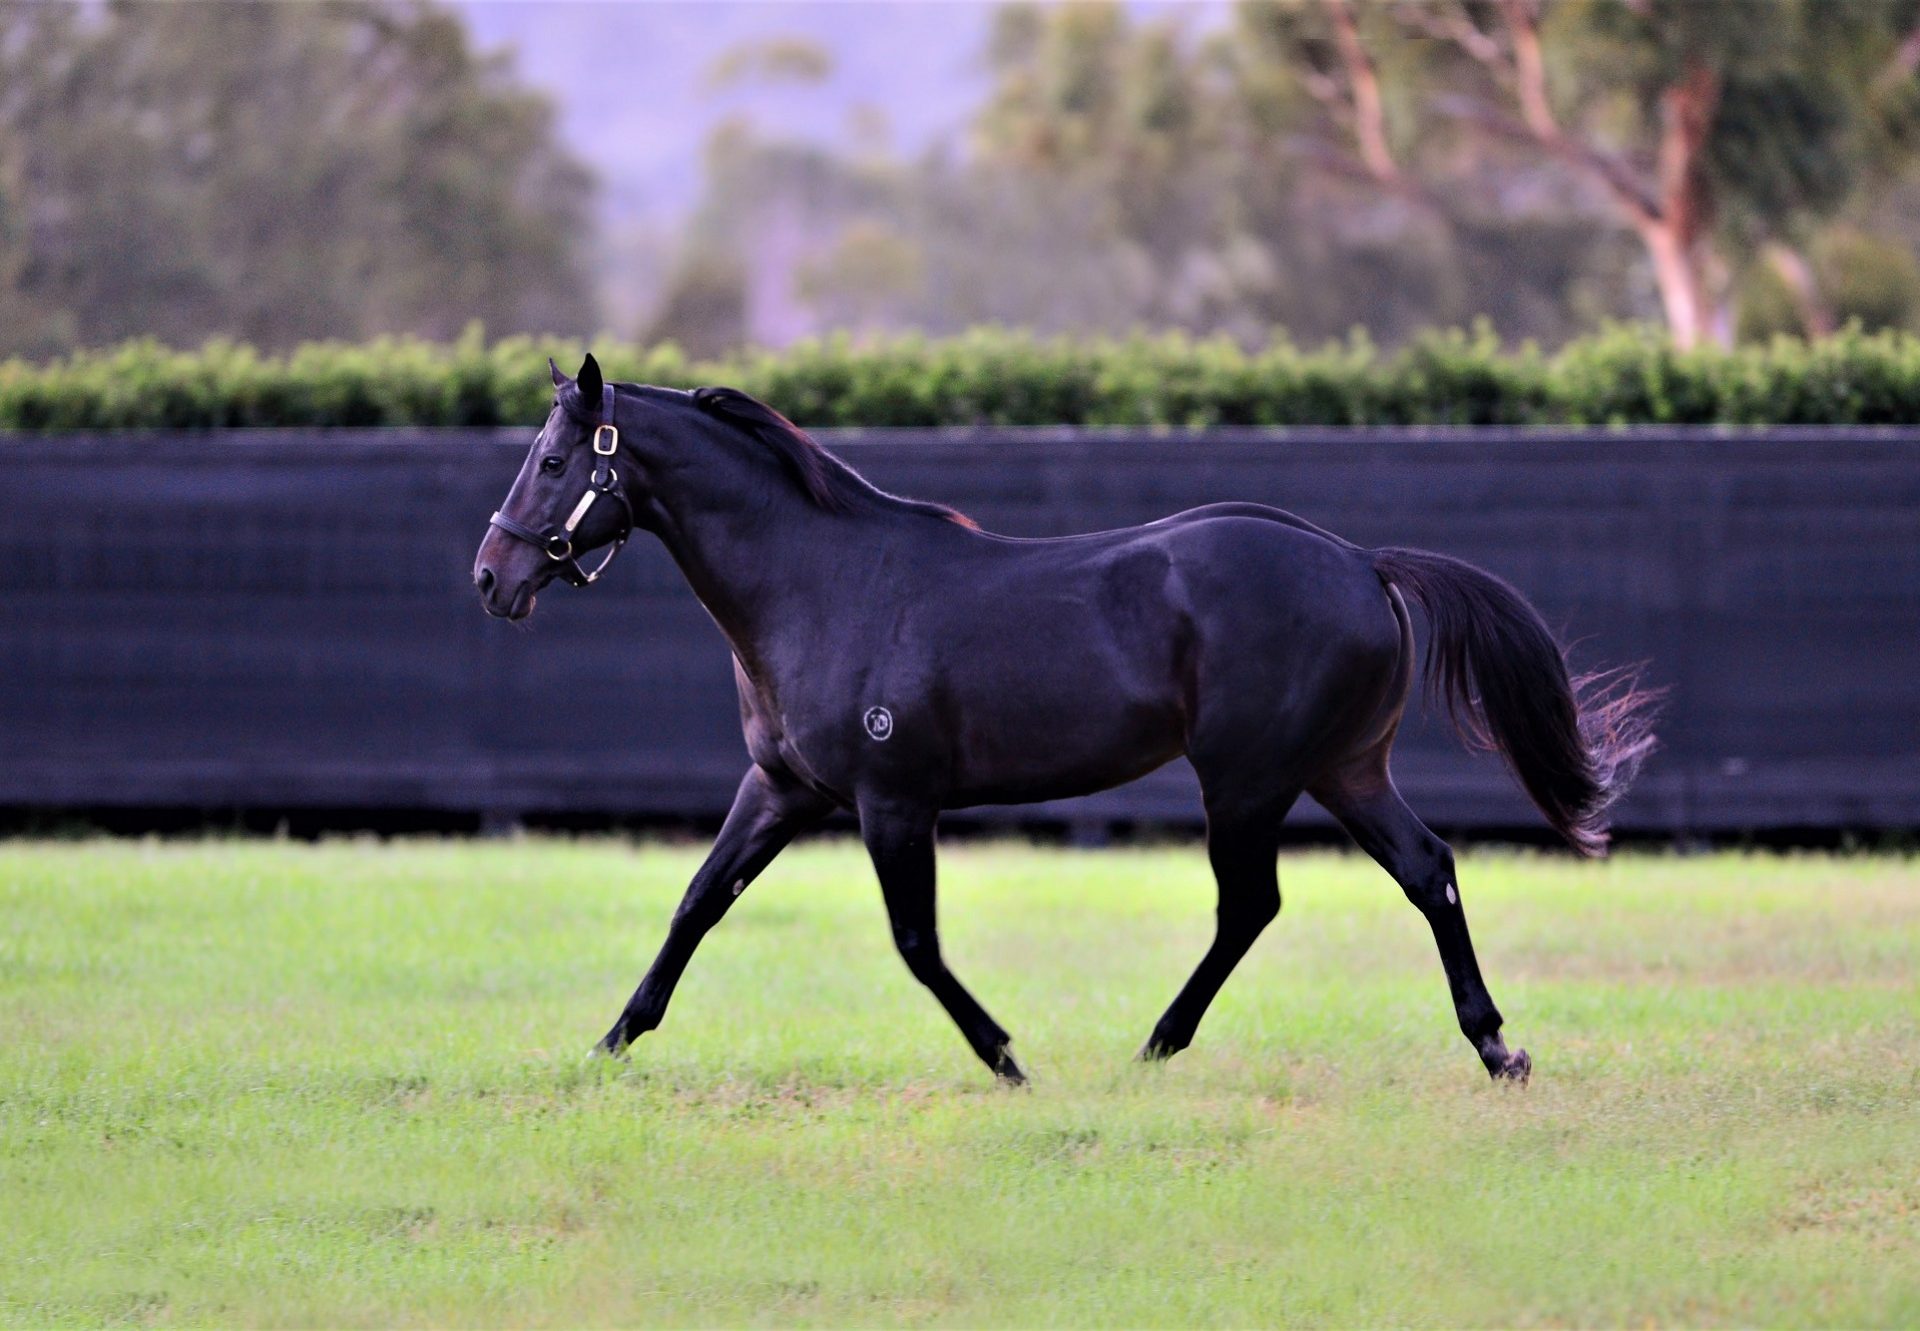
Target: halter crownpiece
{"x": 558, "y": 545}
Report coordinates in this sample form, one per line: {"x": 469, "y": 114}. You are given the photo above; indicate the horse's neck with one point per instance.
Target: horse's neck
{"x": 763, "y": 570}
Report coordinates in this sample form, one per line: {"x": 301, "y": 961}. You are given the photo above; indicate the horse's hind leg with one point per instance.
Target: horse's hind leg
{"x": 1243, "y": 846}
{"x": 1368, "y": 806}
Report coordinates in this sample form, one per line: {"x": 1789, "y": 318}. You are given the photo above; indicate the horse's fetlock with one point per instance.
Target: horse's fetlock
{"x": 641, "y": 1017}
{"x": 1481, "y": 1025}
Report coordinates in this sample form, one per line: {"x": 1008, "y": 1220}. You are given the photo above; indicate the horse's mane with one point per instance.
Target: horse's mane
{"x": 830, "y": 483}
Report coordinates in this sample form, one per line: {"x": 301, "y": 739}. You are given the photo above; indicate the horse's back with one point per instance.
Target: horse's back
{"x": 1218, "y": 573}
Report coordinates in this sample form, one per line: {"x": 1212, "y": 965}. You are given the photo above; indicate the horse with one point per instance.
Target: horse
{"x": 894, "y": 660}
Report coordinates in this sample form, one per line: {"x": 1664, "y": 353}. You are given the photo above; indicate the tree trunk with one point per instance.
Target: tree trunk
{"x": 1677, "y": 236}
{"x": 1682, "y": 294}
{"x": 1672, "y": 213}
{"x": 1369, "y": 109}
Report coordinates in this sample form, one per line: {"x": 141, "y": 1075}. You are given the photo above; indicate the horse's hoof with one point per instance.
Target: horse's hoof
{"x": 1517, "y": 1068}
{"x": 1157, "y": 1050}
{"x": 603, "y": 1050}
{"x": 1008, "y": 1072}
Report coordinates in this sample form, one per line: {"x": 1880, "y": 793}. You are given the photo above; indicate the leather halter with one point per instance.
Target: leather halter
{"x": 558, "y": 543}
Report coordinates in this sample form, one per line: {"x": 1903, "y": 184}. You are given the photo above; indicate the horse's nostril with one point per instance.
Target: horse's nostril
{"x": 484, "y": 579}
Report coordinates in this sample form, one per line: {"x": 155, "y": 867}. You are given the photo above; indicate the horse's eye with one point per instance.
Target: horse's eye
{"x": 553, "y": 464}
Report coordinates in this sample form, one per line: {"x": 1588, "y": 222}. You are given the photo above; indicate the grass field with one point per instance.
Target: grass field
{"x": 252, "y": 1083}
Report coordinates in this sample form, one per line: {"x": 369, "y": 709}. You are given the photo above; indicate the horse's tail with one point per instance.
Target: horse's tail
{"x": 1574, "y": 743}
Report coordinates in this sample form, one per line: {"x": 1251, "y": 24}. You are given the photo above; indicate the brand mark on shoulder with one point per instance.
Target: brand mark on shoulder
{"x": 879, "y": 723}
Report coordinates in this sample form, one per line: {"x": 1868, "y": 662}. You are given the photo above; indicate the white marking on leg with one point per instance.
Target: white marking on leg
{"x": 1453, "y": 898}
{"x": 739, "y": 886}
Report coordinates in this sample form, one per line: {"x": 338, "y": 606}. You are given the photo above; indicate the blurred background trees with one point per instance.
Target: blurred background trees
{"x": 1724, "y": 167}
{"x": 1727, "y": 168}
{"x": 274, "y": 173}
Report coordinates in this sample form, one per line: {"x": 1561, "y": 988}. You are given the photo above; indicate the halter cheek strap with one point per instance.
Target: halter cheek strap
{"x": 605, "y": 481}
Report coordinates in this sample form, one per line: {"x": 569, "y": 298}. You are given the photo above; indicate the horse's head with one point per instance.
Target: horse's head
{"x": 566, "y": 500}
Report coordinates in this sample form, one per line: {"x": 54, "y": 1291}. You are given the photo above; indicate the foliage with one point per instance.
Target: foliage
{"x": 1863, "y": 277}
{"x": 1118, "y": 175}
{"x": 1397, "y": 164}
{"x": 258, "y": 1084}
{"x": 1762, "y": 132}
{"x": 1624, "y": 376}
{"x": 274, "y": 173}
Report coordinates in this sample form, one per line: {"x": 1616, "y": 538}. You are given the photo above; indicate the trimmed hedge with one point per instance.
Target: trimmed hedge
{"x": 1624, "y": 376}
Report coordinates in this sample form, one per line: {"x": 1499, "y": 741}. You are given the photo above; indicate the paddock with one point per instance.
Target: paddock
{"x": 275, "y": 1083}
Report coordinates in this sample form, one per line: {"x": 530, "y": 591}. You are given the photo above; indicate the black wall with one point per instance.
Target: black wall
{"x": 284, "y": 619}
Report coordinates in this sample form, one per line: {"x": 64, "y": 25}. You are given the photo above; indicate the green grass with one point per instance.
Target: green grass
{"x": 267, "y": 1084}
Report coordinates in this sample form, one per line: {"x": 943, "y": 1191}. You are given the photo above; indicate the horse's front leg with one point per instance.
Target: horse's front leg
{"x": 769, "y": 810}
{"x": 900, "y": 841}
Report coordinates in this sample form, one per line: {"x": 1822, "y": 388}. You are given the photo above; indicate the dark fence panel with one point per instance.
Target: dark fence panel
{"x": 284, "y": 620}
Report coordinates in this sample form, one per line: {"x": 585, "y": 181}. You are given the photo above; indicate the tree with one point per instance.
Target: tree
{"x": 1086, "y": 103}
{"x": 1317, "y": 165}
{"x": 1719, "y": 136}
{"x": 733, "y": 277}
{"x": 1253, "y": 177}
{"x": 276, "y": 173}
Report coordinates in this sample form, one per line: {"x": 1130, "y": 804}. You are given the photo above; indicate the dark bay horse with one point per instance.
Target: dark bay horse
{"x": 894, "y": 660}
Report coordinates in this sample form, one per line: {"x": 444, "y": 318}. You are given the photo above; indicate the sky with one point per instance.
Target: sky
{"x": 632, "y": 82}
{"x": 631, "y": 79}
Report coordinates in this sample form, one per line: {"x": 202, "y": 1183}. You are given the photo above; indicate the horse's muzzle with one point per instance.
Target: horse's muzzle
{"x": 494, "y": 600}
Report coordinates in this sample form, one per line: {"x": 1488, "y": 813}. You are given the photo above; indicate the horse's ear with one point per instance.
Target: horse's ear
{"x": 559, "y": 380}
{"x": 590, "y": 383}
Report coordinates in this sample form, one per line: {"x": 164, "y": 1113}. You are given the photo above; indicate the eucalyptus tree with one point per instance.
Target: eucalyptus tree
{"x": 1720, "y": 133}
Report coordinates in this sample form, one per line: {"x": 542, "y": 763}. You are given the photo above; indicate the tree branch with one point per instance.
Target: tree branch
{"x": 1339, "y": 161}
{"x": 1686, "y": 111}
{"x": 1523, "y": 72}
{"x": 1457, "y": 27}
{"x": 1618, "y": 178}
{"x": 1369, "y": 111}
{"x": 1530, "y": 68}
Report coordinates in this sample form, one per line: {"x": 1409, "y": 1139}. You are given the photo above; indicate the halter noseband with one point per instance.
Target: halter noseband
{"x": 605, "y": 481}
